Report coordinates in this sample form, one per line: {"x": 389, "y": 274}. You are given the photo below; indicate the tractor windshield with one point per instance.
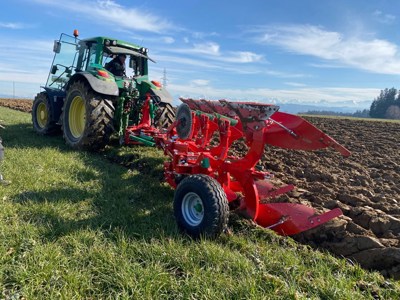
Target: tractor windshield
{"x": 137, "y": 63}
{"x": 64, "y": 62}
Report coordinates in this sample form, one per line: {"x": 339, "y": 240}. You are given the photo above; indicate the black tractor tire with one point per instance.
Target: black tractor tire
{"x": 42, "y": 116}
{"x": 201, "y": 206}
{"x": 164, "y": 116}
{"x": 87, "y": 118}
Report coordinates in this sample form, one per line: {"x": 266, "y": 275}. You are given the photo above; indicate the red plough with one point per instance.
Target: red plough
{"x": 209, "y": 180}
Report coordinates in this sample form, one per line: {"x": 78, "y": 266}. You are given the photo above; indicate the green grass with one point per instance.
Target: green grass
{"x": 74, "y": 225}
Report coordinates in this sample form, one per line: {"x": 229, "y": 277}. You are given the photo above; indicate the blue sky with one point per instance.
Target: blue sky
{"x": 319, "y": 52}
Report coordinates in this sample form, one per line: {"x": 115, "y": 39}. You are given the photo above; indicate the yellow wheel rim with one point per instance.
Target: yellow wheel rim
{"x": 77, "y": 117}
{"x": 42, "y": 115}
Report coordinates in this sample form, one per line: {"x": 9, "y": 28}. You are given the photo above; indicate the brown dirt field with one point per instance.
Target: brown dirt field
{"x": 18, "y": 104}
{"x": 366, "y": 186}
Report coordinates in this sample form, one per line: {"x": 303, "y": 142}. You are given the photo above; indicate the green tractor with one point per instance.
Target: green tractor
{"x": 88, "y": 102}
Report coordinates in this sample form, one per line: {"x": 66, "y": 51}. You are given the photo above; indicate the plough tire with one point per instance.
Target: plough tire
{"x": 87, "y": 118}
{"x": 42, "y": 116}
{"x": 165, "y": 115}
{"x": 201, "y": 206}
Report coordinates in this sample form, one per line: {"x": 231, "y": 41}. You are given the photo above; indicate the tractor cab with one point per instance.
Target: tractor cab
{"x": 91, "y": 55}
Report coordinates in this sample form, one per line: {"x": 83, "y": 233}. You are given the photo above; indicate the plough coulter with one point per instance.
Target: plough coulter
{"x": 209, "y": 181}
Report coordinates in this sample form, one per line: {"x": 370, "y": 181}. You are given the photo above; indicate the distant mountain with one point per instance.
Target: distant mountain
{"x": 301, "y": 108}
{"x": 8, "y": 96}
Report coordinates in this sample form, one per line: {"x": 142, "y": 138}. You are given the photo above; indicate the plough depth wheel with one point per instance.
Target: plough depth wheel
{"x": 201, "y": 206}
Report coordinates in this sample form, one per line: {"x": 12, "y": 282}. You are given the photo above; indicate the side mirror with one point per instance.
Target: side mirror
{"x": 54, "y": 69}
{"x": 57, "y": 47}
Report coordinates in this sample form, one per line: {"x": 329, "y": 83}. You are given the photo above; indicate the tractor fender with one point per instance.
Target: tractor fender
{"x": 159, "y": 93}
{"x": 163, "y": 94}
{"x": 98, "y": 85}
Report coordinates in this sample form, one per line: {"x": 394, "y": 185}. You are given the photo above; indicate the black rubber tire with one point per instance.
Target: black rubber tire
{"x": 99, "y": 115}
{"x": 165, "y": 115}
{"x": 44, "y": 126}
{"x": 214, "y": 202}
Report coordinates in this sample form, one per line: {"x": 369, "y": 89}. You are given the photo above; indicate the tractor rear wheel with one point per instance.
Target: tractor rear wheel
{"x": 165, "y": 115}
{"x": 42, "y": 115}
{"x": 201, "y": 206}
{"x": 87, "y": 118}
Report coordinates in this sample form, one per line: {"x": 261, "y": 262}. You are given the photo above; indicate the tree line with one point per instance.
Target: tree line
{"x": 358, "y": 114}
{"x": 386, "y": 105}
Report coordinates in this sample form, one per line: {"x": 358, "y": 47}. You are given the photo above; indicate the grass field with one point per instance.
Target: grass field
{"x": 74, "y": 225}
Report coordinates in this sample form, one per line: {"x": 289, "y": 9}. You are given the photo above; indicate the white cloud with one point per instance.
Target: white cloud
{"x": 12, "y": 25}
{"x": 374, "y": 55}
{"x": 295, "y": 84}
{"x": 199, "y": 82}
{"x": 115, "y": 14}
{"x": 197, "y": 64}
{"x": 209, "y": 48}
{"x": 146, "y": 39}
{"x": 202, "y": 35}
{"x": 384, "y": 18}
{"x": 168, "y": 40}
{"x": 243, "y": 57}
{"x": 212, "y": 51}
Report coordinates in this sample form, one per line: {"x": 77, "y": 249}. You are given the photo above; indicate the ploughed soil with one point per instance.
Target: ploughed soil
{"x": 365, "y": 186}
{"x": 18, "y": 104}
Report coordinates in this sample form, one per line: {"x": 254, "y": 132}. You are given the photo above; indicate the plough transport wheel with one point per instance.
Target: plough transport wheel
{"x": 200, "y": 206}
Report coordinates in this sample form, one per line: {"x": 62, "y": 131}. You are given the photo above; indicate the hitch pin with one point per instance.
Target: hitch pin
{"x": 282, "y": 220}
{"x": 291, "y": 132}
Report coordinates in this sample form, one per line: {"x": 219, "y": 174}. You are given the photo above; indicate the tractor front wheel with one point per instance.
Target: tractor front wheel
{"x": 42, "y": 115}
{"x": 200, "y": 206}
{"x": 87, "y": 118}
